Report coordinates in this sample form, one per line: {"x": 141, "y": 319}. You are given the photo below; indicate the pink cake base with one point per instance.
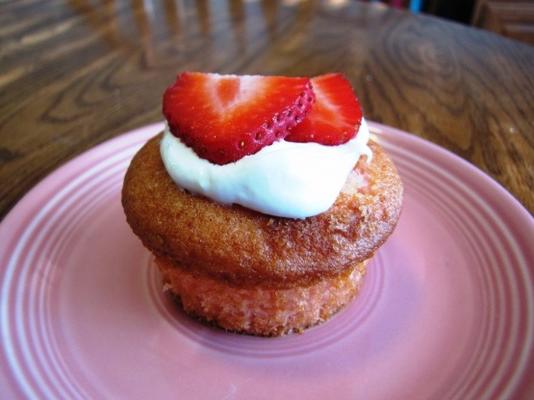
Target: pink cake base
{"x": 261, "y": 311}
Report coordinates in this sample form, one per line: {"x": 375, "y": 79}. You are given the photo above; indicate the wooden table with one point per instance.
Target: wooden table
{"x": 74, "y": 73}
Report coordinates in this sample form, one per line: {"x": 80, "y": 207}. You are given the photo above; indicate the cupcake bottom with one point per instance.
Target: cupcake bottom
{"x": 258, "y": 310}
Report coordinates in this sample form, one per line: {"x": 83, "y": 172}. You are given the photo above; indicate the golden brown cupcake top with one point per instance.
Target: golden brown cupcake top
{"x": 244, "y": 247}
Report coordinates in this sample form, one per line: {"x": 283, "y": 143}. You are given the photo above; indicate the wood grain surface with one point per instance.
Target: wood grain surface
{"x": 75, "y": 73}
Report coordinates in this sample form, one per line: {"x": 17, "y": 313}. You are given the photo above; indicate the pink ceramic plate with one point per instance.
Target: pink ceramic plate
{"x": 446, "y": 311}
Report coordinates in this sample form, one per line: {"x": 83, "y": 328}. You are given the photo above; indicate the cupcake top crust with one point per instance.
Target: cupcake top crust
{"x": 247, "y": 248}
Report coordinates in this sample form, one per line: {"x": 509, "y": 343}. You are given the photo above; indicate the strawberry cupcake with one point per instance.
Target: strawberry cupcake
{"x": 263, "y": 199}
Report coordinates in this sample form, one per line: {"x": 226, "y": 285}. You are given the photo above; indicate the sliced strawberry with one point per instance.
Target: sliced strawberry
{"x": 226, "y": 117}
{"x": 335, "y": 116}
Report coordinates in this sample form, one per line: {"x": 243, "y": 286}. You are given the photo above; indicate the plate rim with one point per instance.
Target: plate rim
{"x": 26, "y": 208}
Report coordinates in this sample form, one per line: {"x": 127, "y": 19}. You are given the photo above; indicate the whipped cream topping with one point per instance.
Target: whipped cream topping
{"x": 285, "y": 179}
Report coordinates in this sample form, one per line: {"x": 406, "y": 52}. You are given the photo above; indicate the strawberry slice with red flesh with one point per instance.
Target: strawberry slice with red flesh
{"x": 335, "y": 116}
{"x": 226, "y": 117}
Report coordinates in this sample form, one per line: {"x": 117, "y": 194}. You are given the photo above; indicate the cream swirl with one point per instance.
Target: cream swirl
{"x": 285, "y": 179}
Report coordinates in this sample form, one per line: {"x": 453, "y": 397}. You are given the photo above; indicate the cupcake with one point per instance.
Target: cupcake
{"x": 263, "y": 199}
